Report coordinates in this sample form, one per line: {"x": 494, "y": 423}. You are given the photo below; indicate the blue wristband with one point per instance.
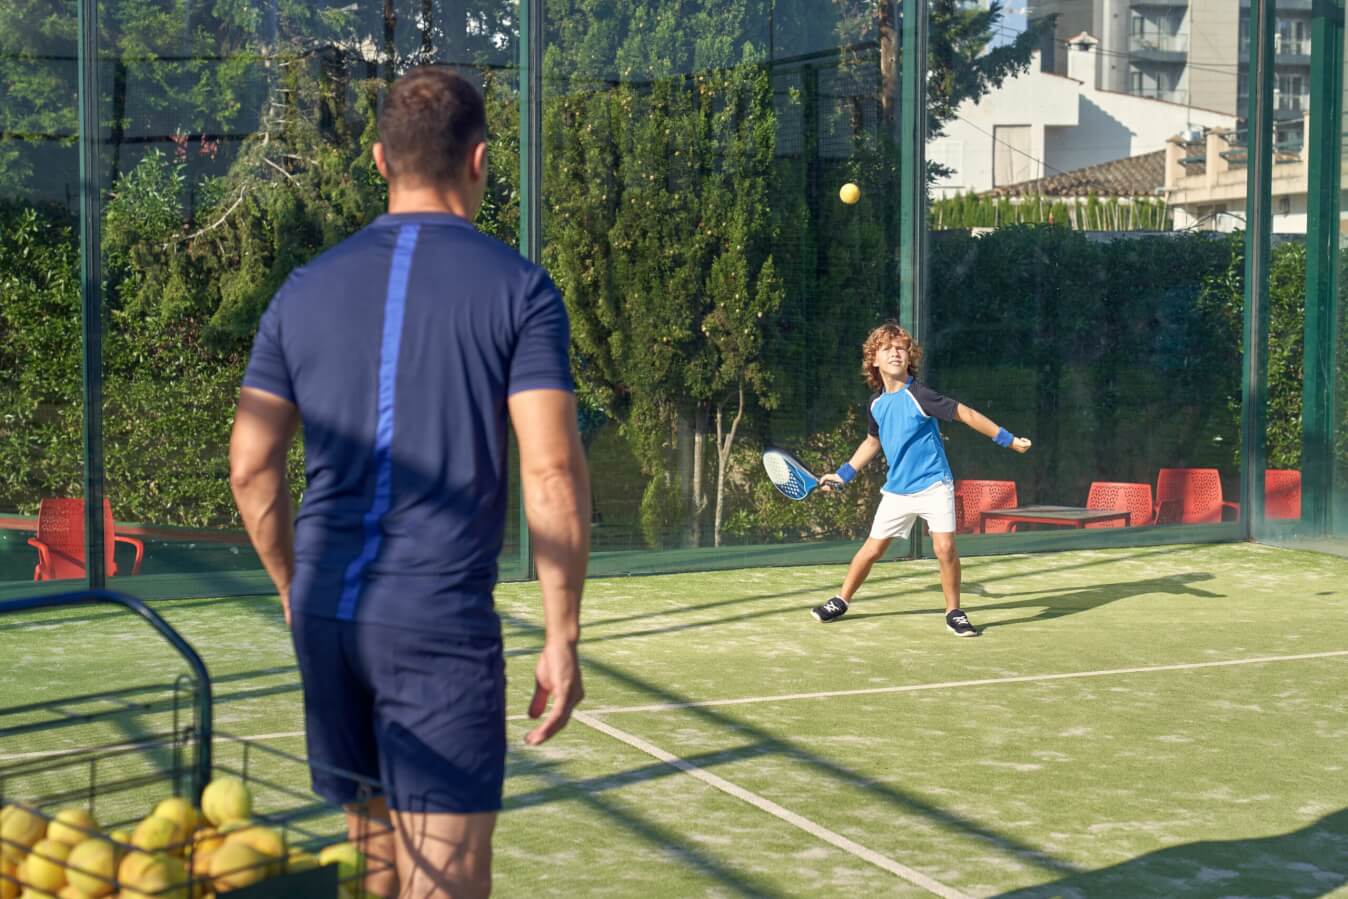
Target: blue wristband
{"x": 1004, "y": 437}
{"x": 847, "y": 472}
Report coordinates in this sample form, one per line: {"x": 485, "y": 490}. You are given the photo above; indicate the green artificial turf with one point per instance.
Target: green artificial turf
{"x": 1159, "y": 721}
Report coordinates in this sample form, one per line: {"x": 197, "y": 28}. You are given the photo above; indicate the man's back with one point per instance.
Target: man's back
{"x": 400, "y": 347}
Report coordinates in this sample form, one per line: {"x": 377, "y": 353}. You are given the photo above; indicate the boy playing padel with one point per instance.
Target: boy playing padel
{"x": 902, "y": 422}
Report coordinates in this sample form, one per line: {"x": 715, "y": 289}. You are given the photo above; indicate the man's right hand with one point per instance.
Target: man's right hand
{"x": 557, "y": 676}
{"x": 830, "y": 482}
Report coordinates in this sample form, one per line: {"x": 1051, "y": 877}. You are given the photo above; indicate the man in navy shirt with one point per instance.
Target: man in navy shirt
{"x": 902, "y": 422}
{"x": 401, "y": 352}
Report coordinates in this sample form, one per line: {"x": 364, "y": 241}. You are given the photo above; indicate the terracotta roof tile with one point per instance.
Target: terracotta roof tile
{"x": 1133, "y": 176}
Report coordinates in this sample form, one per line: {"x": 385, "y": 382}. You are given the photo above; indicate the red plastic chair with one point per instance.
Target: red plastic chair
{"x": 1121, "y": 496}
{"x": 1282, "y": 493}
{"x": 60, "y": 540}
{"x": 1191, "y": 496}
{"x": 974, "y": 497}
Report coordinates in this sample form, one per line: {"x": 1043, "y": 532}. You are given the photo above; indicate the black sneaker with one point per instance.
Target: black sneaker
{"x": 959, "y": 625}
{"x": 832, "y": 610}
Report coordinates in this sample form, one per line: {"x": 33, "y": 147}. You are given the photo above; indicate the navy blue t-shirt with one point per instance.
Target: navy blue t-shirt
{"x": 400, "y": 347}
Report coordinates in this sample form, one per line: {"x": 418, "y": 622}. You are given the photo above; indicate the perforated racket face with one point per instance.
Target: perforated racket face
{"x": 788, "y": 476}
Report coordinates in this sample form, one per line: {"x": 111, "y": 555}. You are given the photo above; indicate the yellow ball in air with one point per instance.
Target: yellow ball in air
{"x": 849, "y": 193}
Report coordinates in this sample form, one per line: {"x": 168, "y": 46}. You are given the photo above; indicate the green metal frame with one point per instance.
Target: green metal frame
{"x": 531, "y": 182}
{"x": 91, "y": 298}
{"x": 1258, "y": 234}
{"x": 912, "y": 52}
{"x": 1324, "y": 144}
{"x": 913, "y": 166}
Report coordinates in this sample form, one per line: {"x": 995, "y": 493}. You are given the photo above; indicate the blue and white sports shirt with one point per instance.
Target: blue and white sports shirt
{"x": 399, "y": 347}
{"x": 905, "y": 422}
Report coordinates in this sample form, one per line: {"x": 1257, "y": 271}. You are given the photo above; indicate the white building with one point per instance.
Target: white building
{"x": 1207, "y": 183}
{"x": 1184, "y": 50}
{"x": 1039, "y": 124}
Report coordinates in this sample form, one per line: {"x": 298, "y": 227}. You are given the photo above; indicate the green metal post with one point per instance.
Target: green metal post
{"x": 913, "y": 167}
{"x": 1258, "y": 233}
{"x": 913, "y": 181}
{"x": 91, "y": 304}
{"x": 1322, "y": 253}
{"x": 531, "y": 178}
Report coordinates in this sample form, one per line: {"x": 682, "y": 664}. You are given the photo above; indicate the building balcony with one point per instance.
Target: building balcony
{"x": 1286, "y": 51}
{"x": 1160, "y": 93}
{"x": 1158, "y": 42}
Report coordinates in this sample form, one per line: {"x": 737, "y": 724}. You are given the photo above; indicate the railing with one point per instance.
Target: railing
{"x": 1157, "y": 40}
{"x": 1282, "y": 46}
{"x": 1158, "y": 93}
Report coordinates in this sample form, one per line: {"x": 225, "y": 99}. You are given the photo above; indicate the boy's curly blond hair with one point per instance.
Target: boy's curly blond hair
{"x": 882, "y": 337}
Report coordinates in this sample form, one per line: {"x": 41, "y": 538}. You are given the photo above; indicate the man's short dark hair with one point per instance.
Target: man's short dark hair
{"x": 430, "y": 120}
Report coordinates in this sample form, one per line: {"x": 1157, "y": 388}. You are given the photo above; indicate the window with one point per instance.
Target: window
{"x": 1011, "y": 159}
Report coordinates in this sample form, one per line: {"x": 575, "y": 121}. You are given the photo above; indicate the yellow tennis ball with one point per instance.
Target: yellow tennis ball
{"x": 72, "y": 826}
{"x": 92, "y": 867}
{"x": 47, "y": 866}
{"x": 346, "y": 856}
{"x": 21, "y": 829}
{"x": 236, "y": 865}
{"x": 226, "y": 799}
{"x": 155, "y": 834}
{"x": 180, "y": 811}
{"x": 9, "y": 881}
{"x": 849, "y": 193}
{"x": 162, "y": 876}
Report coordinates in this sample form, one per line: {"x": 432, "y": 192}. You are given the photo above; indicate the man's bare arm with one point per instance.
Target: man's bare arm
{"x": 264, "y": 426}
{"x": 556, "y": 484}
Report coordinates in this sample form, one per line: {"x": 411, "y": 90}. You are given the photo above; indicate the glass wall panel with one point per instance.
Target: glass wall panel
{"x": 1305, "y": 470}
{"x": 1086, "y": 261}
{"x": 1336, "y": 416}
{"x": 41, "y": 414}
{"x": 238, "y": 148}
{"x": 719, "y": 285}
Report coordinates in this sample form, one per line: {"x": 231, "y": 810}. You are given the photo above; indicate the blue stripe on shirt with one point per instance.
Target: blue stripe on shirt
{"x": 395, "y": 303}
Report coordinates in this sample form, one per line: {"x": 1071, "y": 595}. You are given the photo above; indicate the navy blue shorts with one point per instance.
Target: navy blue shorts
{"x": 422, "y": 713}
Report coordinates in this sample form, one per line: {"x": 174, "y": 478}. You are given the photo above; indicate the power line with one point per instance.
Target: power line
{"x": 1015, "y": 149}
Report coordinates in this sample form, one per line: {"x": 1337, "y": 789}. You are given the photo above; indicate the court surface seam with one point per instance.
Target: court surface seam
{"x": 917, "y": 878}
{"x": 961, "y": 684}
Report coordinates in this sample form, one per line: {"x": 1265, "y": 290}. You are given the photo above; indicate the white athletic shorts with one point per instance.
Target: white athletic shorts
{"x": 935, "y": 505}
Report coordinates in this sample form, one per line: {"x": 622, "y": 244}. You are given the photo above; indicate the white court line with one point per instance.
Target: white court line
{"x": 823, "y": 833}
{"x": 950, "y": 685}
{"x": 787, "y": 697}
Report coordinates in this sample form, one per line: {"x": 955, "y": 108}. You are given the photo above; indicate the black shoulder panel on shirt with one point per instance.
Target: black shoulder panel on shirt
{"x": 933, "y": 403}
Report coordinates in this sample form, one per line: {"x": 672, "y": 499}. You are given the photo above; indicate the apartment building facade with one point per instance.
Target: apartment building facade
{"x": 1193, "y": 52}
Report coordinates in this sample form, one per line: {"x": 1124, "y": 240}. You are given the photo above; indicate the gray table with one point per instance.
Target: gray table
{"x": 1060, "y": 516}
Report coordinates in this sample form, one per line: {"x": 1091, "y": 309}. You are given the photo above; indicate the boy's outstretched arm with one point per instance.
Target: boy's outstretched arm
{"x": 989, "y": 429}
{"x": 864, "y": 454}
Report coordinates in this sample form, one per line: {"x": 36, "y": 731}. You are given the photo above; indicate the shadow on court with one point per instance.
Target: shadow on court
{"x": 764, "y": 743}
{"x": 1061, "y": 603}
{"x": 1072, "y": 602}
{"x": 671, "y": 843}
{"x": 1312, "y": 861}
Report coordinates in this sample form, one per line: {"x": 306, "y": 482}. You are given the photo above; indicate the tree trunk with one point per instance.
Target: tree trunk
{"x": 724, "y": 443}
{"x": 889, "y": 67}
{"x": 697, "y": 495}
{"x": 427, "y": 25}
{"x": 390, "y": 42}
{"x": 683, "y": 470}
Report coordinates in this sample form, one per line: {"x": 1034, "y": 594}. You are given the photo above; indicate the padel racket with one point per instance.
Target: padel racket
{"x": 787, "y": 474}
